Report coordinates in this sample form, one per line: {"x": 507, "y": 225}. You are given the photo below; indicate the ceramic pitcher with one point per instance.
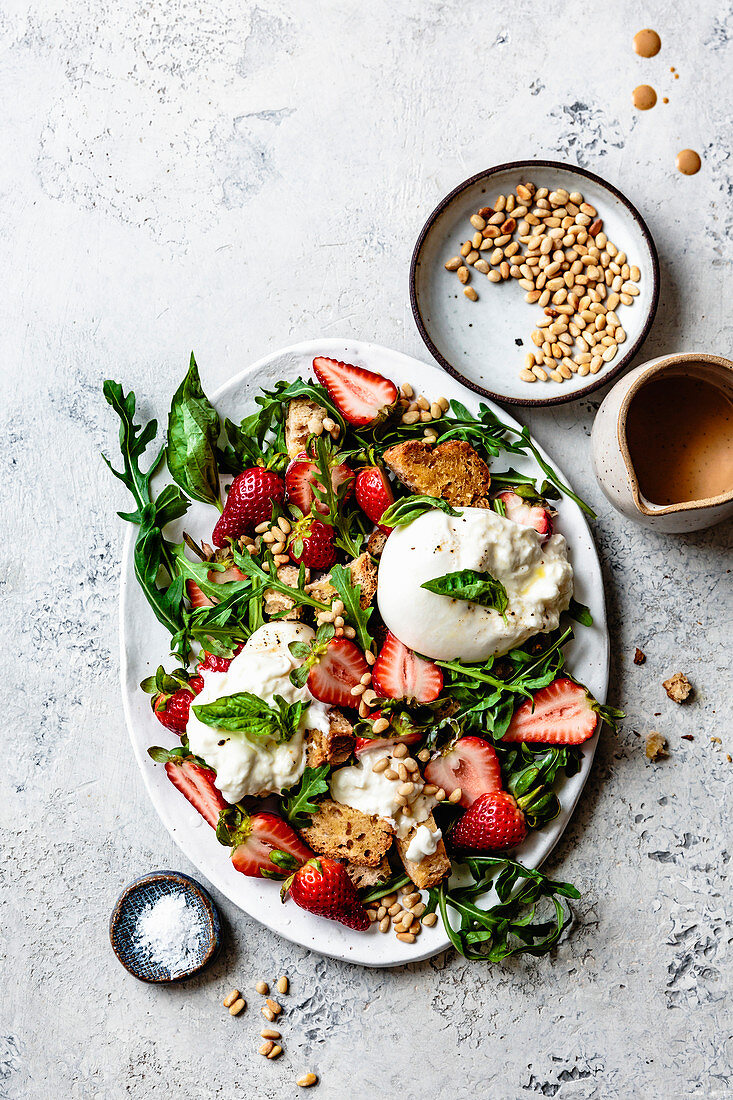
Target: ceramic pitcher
{"x": 612, "y": 461}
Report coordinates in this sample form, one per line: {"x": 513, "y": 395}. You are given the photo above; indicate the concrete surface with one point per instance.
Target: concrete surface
{"x": 232, "y": 177}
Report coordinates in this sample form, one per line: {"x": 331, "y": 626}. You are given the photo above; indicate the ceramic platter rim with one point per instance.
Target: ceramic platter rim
{"x": 525, "y": 167}
{"x": 144, "y": 644}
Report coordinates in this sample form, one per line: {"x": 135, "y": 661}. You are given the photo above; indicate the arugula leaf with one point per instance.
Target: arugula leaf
{"x": 350, "y": 594}
{"x": 580, "y": 612}
{"x": 389, "y": 886}
{"x": 349, "y": 523}
{"x": 244, "y": 712}
{"x": 153, "y": 553}
{"x": 471, "y": 585}
{"x": 509, "y": 927}
{"x": 298, "y": 802}
{"x": 193, "y": 431}
{"x": 407, "y": 509}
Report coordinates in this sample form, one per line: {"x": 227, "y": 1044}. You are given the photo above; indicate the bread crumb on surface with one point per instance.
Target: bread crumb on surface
{"x": 687, "y": 737}
{"x": 656, "y": 746}
{"x": 678, "y": 687}
{"x": 639, "y": 656}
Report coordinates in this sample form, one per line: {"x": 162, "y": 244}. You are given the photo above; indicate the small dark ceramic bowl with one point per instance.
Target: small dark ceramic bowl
{"x": 144, "y": 892}
{"x": 484, "y": 343}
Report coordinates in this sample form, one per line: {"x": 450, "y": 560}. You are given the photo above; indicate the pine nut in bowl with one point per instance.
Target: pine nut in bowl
{"x": 534, "y": 272}
{"x": 165, "y": 928}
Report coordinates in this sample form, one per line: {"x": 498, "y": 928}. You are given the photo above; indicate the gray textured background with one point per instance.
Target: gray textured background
{"x": 232, "y": 177}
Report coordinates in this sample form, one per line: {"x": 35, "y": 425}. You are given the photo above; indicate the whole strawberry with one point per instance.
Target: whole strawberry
{"x": 374, "y": 494}
{"x": 249, "y": 503}
{"x": 211, "y": 663}
{"x": 173, "y": 710}
{"x": 311, "y": 543}
{"x": 323, "y": 887}
{"x": 492, "y": 824}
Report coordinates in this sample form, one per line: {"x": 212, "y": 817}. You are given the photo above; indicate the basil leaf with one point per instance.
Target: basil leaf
{"x": 469, "y": 584}
{"x": 244, "y": 712}
{"x": 193, "y": 431}
{"x": 298, "y": 802}
{"x": 407, "y": 509}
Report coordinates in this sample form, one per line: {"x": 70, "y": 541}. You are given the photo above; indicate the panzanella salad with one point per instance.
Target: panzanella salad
{"x": 370, "y": 692}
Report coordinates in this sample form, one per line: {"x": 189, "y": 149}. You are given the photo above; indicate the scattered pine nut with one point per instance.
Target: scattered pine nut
{"x": 231, "y": 998}
{"x": 262, "y": 987}
{"x": 471, "y": 294}
{"x": 275, "y": 1052}
{"x": 274, "y": 1006}
{"x": 406, "y": 937}
{"x": 267, "y": 1013}
{"x": 270, "y": 1033}
{"x": 307, "y": 1080}
{"x": 237, "y": 1006}
{"x": 455, "y": 795}
{"x": 429, "y": 919}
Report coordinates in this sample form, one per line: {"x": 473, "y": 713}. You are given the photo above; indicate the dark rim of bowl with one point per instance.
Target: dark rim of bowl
{"x": 185, "y": 882}
{"x": 604, "y": 378}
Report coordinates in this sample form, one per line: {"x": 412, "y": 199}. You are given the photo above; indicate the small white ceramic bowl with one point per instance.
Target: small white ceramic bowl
{"x": 483, "y": 343}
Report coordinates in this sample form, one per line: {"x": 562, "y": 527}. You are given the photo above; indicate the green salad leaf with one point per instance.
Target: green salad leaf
{"x": 244, "y": 712}
{"x": 193, "y": 432}
{"x": 299, "y": 803}
{"x": 471, "y": 585}
{"x": 580, "y": 612}
{"x": 356, "y": 615}
{"x": 407, "y": 509}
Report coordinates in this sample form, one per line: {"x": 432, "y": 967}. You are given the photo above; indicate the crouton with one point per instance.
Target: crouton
{"x": 678, "y": 687}
{"x": 376, "y": 543}
{"x": 275, "y": 602}
{"x": 430, "y": 870}
{"x": 344, "y": 833}
{"x": 452, "y": 471}
{"x": 364, "y": 877}
{"x": 301, "y": 412}
{"x": 334, "y": 747}
{"x": 363, "y": 571}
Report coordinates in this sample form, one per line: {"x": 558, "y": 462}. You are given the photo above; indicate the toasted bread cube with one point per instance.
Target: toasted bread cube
{"x": 430, "y": 870}
{"x": 363, "y": 571}
{"x": 344, "y": 833}
{"x": 274, "y": 602}
{"x": 363, "y": 877}
{"x": 334, "y": 747}
{"x": 301, "y": 412}
{"x": 452, "y": 471}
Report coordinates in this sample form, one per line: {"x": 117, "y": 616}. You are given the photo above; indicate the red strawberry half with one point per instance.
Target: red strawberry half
{"x": 361, "y": 395}
{"x": 173, "y": 710}
{"x": 527, "y": 515}
{"x": 563, "y": 713}
{"x": 249, "y": 503}
{"x": 215, "y": 576}
{"x": 364, "y": 744}
{"x": 196, "y": 597}
{"x": 471, "y": 764}
{"x": 302, "y": 474}
{"x": 261, "y": 835}
{"x": 197, "y": 785}
{"x": 336, "y": 671}
{"x": 212, "y": 663}
{"x": 493, "y": 823}
{"x": 374, "y": 494}
{"x": 311, "y": 543}
{"x": 399, "y": 673}
{"x": 323, "y": 887}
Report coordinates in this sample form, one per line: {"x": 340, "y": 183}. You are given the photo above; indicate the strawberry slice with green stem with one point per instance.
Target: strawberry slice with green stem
{"x": 362, "y": 395}
{"x": 263, "y": 845}
{"x": 305, "y": 483}
{"x": 563, "y": 713}
{"x": 194, "y": 780}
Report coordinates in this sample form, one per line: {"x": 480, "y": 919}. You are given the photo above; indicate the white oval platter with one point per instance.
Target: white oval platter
{"x": 145, "y": 645}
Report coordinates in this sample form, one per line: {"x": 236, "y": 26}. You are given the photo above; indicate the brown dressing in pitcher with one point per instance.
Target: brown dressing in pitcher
{"x": 679, "y": 433}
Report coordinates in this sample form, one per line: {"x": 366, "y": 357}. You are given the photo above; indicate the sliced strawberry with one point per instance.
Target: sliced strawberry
{"x": 197, "y": 785}
{"x": 366, "y": 744}
{"x": 527, "y": 515}
{"x": 336, "y": 672}
{"x": 196, "y": 597}
{"x": 322, "y": 886}
{"x": 563, "y": 713}
{"x": 374, "y": 495}
{"x": 360, "y": 394}
{"x": 471, "y": 764}
{"x": 302, "y": 474}
{"x": 258, "y": 837}
{"x": 494, "y": 823}
{"x": 399, "y": 673}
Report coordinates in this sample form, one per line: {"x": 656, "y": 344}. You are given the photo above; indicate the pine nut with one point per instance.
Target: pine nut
{"x": 477, "y": 221}
{"x": 262, "y": 527}
{"x": 609, "y": 353}
{"x": 267, "y": 1013}
{"x": 455, "y": 795}
{"x": 477, "y": 240}
{"x": 395, "y": 909}
{"x": 406, "y": 937}
{"x": 275, "y": 1052}
{"x": 266, "y": 1048}
{"x": 358, "y": 689}
{"x": 465, "y": 248}
{"x": 400, "y": 751}
{"x": 527, "y": 376}
{"x": 539, "y": 373}
{"x": 499, "y": 205}
{"x": 482, "y": 266}
{"x": 231, "y": 998}
{"x": 634, "y": 273}
{"x": 237, "y": 1007}
{"x": 380, "y": 726}
{"x": 391, "y": 774}
{"x": 556, "y": 376}
{"x": 430, "y": 919}
{"x": 494, "y": 277}
{"x": 471, "y": 293}
{"x": 411, "y": 418}
{"x": 307, "y": 1080}
{"x": 384, "y": 924}
{"x": 626, "y": 299}
{"x": 453, "y": 263}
